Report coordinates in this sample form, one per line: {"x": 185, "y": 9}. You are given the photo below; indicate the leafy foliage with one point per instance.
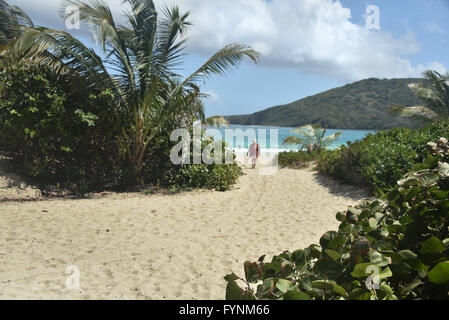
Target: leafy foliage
{"x": 380, "y": 160}
{"x": 381, "y": 251}
{"x": 297, "y": 159}
{"x": 57, "y": 130}
{"x": 143, "y": 57}
{"x": 435, "y": 99}
{"x": 312, "y": 135}
{"x": 220, "y": 177}
{"x": 74, "y": 118}
{"x": 361, "y": 105}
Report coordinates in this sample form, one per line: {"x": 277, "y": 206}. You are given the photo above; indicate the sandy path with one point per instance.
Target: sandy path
{"x": 161, "y": 247}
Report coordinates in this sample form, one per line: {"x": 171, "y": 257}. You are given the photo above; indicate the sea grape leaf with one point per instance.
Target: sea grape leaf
{"x": 284, "y": 285}
{"x": 251, "y": 271}
{"x": 296, "y": 295}
{"x": 234, "y": 292}
{"x": 327, "y": 238}
{"x": 323, "y": 285}
{"x": 443, "y": 169}
{"x": 360, "y": 270}
{"x": 440, "y": 273}
{"x": 407, "y": 255}
{"x": 432, "y": 246}
{"x": 379, "y": 259}
{"x": 334, "y": 255}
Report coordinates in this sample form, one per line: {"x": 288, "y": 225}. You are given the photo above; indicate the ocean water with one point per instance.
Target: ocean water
{"x": 242, "y": 136}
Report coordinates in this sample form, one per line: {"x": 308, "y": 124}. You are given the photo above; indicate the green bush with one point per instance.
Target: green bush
{"x": 297, "y": 159}
{"x": 381, "y": 251}
{"x": 59, "y": 131}
{"x": 380, "y": 160}
{"x": 56, "y": 129}
{"x": 220, "y": 177}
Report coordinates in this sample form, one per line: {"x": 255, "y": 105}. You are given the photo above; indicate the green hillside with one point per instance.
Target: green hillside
{"x": 362, "y": 105}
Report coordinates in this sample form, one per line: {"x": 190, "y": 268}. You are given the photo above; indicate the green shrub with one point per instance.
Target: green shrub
{"x": 220, "y": 177}
{"x": 56, "y": 129}
{"x": 381, "y": 251}
{"x": 297, "y": 159}
{"x": 59, "y": 131}
{"x": 381, "y": 159}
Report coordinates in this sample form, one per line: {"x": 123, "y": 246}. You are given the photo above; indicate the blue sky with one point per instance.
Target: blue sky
{"x": 307, "y": 46}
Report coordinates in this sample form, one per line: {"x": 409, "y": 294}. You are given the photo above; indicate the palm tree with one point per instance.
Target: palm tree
{"x": 312, "y": 135}
{"x": 435, "y": 99}
{"x": 216, "y": 121}
{"x": 142, "y": 58}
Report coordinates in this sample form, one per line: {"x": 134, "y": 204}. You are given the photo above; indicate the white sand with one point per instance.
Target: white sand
{"x": 160, "y": 246}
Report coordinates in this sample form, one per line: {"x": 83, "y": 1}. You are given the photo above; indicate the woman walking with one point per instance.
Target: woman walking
{"x": 253, "y": 153}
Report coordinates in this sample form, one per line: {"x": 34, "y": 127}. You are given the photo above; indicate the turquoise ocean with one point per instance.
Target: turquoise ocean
{"x": 263, "y": 136}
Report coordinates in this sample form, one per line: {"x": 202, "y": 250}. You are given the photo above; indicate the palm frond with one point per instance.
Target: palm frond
{"x": 223, "y": 61}
{"x": 97, "y": 15}
{"x": 312, "y": 134}
{"x": 24, "y": 19}
{"x": 416, "y": 113}
{"x": 327, "y": 141}
{"x": 61, "y": 52}
{"x": 218, "y": 64}
{"x": 434, "y": 95}
{"x": 293, "y": 141}
{"x": 141, "y": 39}
{"x": 216, "y": 121}
{"x": 170, "y": 46}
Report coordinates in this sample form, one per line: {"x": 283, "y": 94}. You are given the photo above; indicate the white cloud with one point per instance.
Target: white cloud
{"x": 315, "y": 36}
{"x": 434, "y": 28}
{"x": 434, "y": 65}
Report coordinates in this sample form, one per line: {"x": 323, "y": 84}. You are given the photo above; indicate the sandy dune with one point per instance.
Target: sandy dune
{"x": 162, "y": 247}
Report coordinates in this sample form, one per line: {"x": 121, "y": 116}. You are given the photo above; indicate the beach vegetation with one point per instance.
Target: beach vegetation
{"x": 381, "y": 159}
{"x": 219, "y": 175}
{"x": 57, "y": 130}
{"x": 311, "y": 137}
{"x": 434, "y": 96}
{"x": 397, "y": 249}
{"x": 298, "y": 159}
{"x": 145, "y": 98}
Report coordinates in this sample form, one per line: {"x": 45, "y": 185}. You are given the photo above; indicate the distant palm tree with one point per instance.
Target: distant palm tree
{"x": 142, "y": 58}
{"x": 216, "y": 121}
{"x": 312, "y": 137}
{"x": 435, "y": 99}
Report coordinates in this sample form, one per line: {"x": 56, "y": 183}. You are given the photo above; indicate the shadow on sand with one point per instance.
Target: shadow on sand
{"x": 342, "y": 190}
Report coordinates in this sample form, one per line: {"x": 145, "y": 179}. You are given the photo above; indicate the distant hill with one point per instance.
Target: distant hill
{"x": 362, "y": 105}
